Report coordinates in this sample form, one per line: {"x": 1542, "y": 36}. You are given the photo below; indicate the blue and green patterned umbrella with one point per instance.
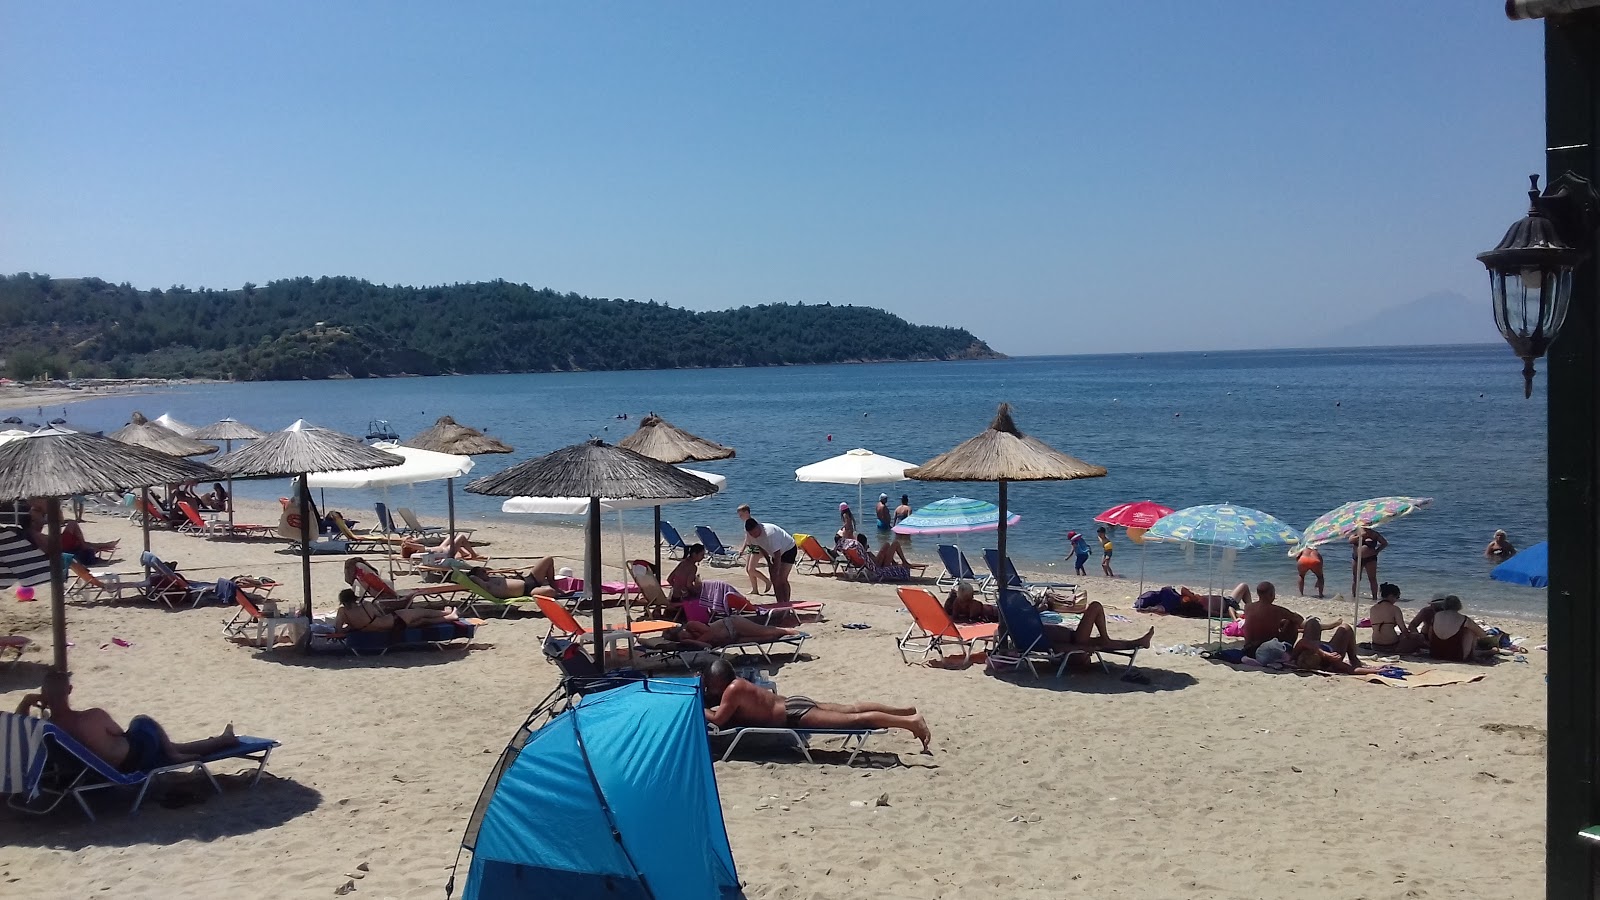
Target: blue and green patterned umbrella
{"x": 1339, "y": 524}
{"x": 955, "y": 515}
{"x": 1223, "y": 525}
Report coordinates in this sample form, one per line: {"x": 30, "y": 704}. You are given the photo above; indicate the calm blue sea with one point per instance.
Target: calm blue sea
{"x": 1292, "y": 432}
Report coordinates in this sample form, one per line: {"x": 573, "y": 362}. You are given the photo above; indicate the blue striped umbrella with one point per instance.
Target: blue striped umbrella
{"x": 1223, "y": 525}
{"x": 955, "y": 515}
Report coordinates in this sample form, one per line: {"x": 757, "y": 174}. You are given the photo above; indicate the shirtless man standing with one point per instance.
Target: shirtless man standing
{"x": 142, "y": 746}
{"x": 1265, "y": 620}
{"x": 738, "y": 702}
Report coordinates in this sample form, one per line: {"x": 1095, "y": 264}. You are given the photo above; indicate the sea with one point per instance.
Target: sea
{"x": 1291, "y": 432}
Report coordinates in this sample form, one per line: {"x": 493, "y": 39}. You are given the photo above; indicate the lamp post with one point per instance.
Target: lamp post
{"x": 1533, "y": 318}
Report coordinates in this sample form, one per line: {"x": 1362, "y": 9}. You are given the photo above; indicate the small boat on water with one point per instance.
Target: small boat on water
{"x": 381, "y": 430}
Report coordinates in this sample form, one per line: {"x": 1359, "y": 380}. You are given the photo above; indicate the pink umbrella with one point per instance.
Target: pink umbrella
{"x": 1139, "y": 514}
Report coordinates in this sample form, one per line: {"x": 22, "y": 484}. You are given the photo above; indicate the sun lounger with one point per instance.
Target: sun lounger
{"x": 956, "y": 568}
{"x": 378, "y": 643}
{"x": 1027, "y": 645}
{"x": 475, "y": 595}
{"x": 673, "y": 540}
{"x": 816, "y": 556}
{"x": 362, "y": 543}
{"x": 41, "y": 765}
{"x": 562, "y": 622}
{"x": 194, "y": 523}
{"x": 1015, "y": 581}
{"x": 386, "y": 523}
{"x": 738, "y": 604}
{"x": 931, "y": 628}
{"x": 164, "y": 583}
{"x": 424, "y": 531}
{"x": 268, "y": 630}
{"x": 716, "y": 553}
{"x": 368, "y": 582}
{"x": 861, "y": 564}
{"x": 854, "y": 740}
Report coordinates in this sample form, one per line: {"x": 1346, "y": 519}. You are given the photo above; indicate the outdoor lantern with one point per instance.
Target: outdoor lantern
{"x": 1530, "y": 272}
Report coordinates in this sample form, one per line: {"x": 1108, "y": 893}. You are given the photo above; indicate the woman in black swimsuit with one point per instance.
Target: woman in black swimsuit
{"x": 1365, "y": 545}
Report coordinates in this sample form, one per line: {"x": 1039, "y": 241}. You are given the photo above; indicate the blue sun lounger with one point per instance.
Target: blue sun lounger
{"x": 956, "y": 568}
{"x": 1015, "y": 581}
{"x": 1027, "y": 646}
{"x": 716, "y": 553}
{"x": 673, "y": 540}
{"x": 41, "y": 765}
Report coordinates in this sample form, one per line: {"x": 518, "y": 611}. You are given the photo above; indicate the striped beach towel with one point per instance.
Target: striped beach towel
{"x": 22, "y": 754}
{"x": 21, "y": 563}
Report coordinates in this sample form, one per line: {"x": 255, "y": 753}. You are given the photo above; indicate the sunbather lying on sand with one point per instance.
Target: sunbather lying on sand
{"x": 356, "y": 614}
{"x": 725, "y": 631}
{"x": 1338, "y": 655}
{"x": 143, "y": 745}
{"x": 737, "y": 702}
{"x": 1090, "y": 633}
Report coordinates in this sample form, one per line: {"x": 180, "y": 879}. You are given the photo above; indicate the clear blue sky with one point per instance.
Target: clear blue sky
{"x": 1057, "y": 177}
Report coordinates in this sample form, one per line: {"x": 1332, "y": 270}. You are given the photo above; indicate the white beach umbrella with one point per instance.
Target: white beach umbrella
{"x": 858, "y": 467}
{"x": 419, "y": 466}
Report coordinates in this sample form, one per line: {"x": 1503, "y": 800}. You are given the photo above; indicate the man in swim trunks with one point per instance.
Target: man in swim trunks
{"x": 142, "y": 746}
{"x": 737, "y": 702}
{"x": 1265, "y": 620}
{"x": 1338, "y": 655}
{"x": 1309, "y": 561}
{"x": 779, "y": 548}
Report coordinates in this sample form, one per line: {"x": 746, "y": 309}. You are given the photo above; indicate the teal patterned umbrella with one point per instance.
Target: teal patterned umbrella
{"x": 1339, "y": 524}
{"x": 1223, "y": 525}
{"x": 955, "y": 515}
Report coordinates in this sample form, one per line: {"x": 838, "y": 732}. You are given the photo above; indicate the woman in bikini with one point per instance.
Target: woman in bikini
{"x": 725, "y": 631}
{"x": 356, "y": 614}
{"x": 1365, "y": 545}
{"x": 537, "y": 581}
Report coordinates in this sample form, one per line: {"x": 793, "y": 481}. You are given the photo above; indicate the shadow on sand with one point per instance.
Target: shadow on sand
{"x": 1093, "y": 680}
{"x": 178, "y": 808}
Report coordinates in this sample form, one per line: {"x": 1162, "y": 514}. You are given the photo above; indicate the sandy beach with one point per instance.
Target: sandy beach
{"x": 1208, "y": 782}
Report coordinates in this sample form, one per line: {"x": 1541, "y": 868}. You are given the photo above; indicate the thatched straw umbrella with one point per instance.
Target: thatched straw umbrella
{"x": 53, "y": 464}
{"x": 596, "y": 470}
{"x": 227, "y": 431}
{"x": 449, "y": 436}
{"x": 293, "y": 452}
{"x": 140, "y": 432}
{"x": 1001, "y": 454}
{"x": 165, "y": 420}
{"x": 661, "y": 440}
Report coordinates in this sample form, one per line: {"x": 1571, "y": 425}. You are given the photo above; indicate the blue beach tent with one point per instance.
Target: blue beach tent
{"x": 614, "y": 798}
{"x": 1531, "y": 567}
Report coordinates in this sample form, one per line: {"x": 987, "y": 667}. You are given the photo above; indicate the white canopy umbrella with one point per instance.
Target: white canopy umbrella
{"x": 419, "y": 466}
{"x": 167, "y": 421}
{"x": 578, "y": 506}
{"x": 858, "y": 467}
{"x": 12, "y": 434}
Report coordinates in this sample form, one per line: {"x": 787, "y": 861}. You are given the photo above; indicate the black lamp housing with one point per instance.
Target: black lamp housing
{"x": 1530, "y": 271}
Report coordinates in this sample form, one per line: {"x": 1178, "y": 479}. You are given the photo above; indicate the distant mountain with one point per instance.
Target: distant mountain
{"x": 1443, "y": 317}
{"x": 348, "y": 328}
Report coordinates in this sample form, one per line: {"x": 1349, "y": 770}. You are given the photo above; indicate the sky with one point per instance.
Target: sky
{"x": 1056, "y": 177}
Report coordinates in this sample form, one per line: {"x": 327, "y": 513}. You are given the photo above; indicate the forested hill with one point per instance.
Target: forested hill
{"x": 338, "y": 327}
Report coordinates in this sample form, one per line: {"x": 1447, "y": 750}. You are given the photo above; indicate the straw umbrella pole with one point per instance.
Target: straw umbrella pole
{"x": 228, "y": 431}
{"x": 661, "y": 440}
{"x": 295, "y": 451}
{"x": 52, "y": 464}
{"x": 449, "y": 436}
{"x": 141, "y": 432}
{"x": 596, "y": 470}
{"x": 1004, "y": 454}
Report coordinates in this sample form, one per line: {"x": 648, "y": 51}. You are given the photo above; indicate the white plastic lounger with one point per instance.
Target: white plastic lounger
{"x": 853, "y": 739}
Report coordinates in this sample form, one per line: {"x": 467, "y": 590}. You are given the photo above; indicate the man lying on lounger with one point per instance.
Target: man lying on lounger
{"x": 725, "y": 631}
{"x": 1090, "y": 633}
{"x": 142, "y": 746}
{"x": 737, "y": 702}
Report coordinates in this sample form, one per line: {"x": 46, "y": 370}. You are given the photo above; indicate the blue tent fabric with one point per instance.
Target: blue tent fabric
{"x": 579, "y": 808}
{"x": 1531, "y": 567}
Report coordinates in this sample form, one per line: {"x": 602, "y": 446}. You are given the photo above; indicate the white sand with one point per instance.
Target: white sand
{"x": 1209, "y": 782}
